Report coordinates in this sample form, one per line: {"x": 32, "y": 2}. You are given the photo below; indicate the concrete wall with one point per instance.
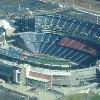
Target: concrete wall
{"x": 42, "y": 76}
{"x": 83, "y": 75}
{"x": 60, "y": 80}
{"x": 23, "y": 75}
{"x": 77, "y": 76}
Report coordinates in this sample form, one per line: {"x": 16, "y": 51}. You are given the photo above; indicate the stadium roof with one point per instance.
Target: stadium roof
{"x": 38, "y": 79}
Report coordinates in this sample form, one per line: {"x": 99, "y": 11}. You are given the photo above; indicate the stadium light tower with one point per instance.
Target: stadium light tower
{"x": 73, "y": 2}
{"x": 4, "y": 34}
{"x": 97, "y": 20}
{"x": 90, "y": 6}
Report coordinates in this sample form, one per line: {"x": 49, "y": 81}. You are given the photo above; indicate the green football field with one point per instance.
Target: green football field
{"x": 45, "y": 59}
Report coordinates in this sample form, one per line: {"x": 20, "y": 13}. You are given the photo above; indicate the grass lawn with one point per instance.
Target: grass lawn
{"x": 89, "y": 96}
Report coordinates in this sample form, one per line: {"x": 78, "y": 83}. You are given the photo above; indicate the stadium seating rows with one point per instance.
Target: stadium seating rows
{"x": 54, "y": 38}
{"x": 24, "y": 24}
{"x": 66, "y": 25}
{"x": 51, "y": 44}
{"x": 10, "y": 52}
{"x": 69, "y": 26}
{"x": 56, "y": 44}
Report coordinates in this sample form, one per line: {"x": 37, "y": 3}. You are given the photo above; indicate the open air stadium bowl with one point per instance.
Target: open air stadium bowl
{"x": 60, "y": 36}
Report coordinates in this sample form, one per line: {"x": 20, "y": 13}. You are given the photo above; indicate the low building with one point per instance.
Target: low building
{"x": 43, "y": 78}
{"x": 9, "y": 71}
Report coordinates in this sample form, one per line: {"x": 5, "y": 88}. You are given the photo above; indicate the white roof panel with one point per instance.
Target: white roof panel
{"x": 38, "y": 79}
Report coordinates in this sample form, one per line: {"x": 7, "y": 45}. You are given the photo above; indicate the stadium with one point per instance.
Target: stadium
{"x": 45, "y": 50}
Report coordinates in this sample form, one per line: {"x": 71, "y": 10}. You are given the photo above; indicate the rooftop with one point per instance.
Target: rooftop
{"x": 51, "y": 72}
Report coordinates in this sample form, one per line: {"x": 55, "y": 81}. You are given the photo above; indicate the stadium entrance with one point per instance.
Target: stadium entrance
{"x": 38, "y": 83}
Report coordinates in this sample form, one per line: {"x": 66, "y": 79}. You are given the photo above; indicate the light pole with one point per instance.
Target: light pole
{"x": 4, "y": 34}
{"x": 73, "y": 3}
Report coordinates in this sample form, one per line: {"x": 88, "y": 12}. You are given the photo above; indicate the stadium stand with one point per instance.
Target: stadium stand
{"x": 68, "y": 25}
{"x": 24, "y": 24}
{"x": 10, "y": 52}
{"x": 59, "y": 46}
